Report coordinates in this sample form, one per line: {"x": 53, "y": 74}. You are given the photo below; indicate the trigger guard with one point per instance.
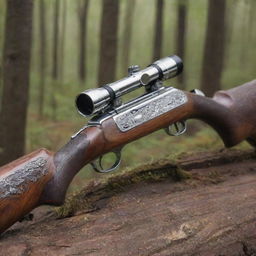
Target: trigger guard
{"x": 112, "y": 168}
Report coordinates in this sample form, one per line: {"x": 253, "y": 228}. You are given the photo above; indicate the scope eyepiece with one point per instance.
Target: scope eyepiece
{"x": 93, "y": 101}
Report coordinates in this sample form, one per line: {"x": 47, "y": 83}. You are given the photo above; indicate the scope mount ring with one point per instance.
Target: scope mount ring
{"x": 98, "y": 166}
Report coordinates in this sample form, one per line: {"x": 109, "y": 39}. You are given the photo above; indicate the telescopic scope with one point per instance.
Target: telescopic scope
{"x": 94, "y": 101}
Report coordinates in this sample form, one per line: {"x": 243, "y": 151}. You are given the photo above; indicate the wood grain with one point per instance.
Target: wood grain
{"x": 43, "y": 177}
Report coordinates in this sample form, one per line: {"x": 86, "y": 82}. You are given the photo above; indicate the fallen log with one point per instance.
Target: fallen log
{"x": 211, "y": 210}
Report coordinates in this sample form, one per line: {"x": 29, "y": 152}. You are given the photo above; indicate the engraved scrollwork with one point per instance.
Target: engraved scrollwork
{"x": 17, "y": 182}
{"x": 148, "y": 110}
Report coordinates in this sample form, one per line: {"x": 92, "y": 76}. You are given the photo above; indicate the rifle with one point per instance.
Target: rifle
{"x": 42, "y": 177}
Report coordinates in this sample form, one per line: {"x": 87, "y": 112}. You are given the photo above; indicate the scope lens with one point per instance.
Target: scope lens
{"x": 84, "y": 104}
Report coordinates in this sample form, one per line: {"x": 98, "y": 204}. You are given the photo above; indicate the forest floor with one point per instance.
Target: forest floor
{"x": 199, "y": 204}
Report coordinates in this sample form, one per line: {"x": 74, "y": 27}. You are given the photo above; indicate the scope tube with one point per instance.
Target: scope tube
{"x": 93, "y": 101}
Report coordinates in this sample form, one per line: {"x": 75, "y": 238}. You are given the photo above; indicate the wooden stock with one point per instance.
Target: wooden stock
{"x": 241, "y": 102}
{"x": 21, "y": 187}
{"x": 43, "y": 177}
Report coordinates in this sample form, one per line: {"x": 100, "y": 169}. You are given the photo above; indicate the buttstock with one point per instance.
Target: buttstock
{"x": 21, "y": 185}
{"x": 242, "y": 104}
{"x": 42, "y": 177}
{"x": 230, "y": 113}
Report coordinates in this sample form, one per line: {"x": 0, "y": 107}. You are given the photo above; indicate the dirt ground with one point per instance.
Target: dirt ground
{"x": 211, "y": 212}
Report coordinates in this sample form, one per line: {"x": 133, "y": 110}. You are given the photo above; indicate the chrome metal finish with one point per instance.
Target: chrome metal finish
{"x": 133, "y": 82}
{"x": 99, "y": 168}
{"x": 117, "y": 102}
{"x": 92, "y": 101}
{"x": 133, "y": 69}
{"x": 97, "y": 100}
{"x": 197, "y": 92}
{"x": 99, "y": 119}
{"x": 145, "y": 79}
{"x": 165, "y": 101}
{"x": 176, "y": 129}
{"x": 168, "y": 67}
{"x": 154, "y": 87}
{"x": 82, "y": 129}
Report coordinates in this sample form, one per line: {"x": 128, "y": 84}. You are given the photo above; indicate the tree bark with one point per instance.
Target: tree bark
{"x": 16, "y": 67}
{"x": 181, "y": 35}
{"x": 108, "y": 42}
{"x": 127, "y": 34}
{"x": 63, "y": 40}
{"x": 158, "y": 30}
{"x": 42, "y": 46}
{"x": 214, "y": 48}
{"x": 55, "y": 67}
{"x": 82, "y": 17}
{"x": 2, "y": 13}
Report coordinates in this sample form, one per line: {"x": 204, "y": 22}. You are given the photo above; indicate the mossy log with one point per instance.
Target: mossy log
{"x": 210, "y": 210}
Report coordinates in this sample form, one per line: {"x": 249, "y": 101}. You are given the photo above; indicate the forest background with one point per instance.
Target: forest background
{"x": 82, "y": 44}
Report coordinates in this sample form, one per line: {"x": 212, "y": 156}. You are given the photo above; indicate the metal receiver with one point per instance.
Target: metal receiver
{"x": 91, "y": 102}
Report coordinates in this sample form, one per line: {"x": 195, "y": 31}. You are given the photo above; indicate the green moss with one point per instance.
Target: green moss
{"x": 180, "y": 174}
{"x": 86, "y": 199}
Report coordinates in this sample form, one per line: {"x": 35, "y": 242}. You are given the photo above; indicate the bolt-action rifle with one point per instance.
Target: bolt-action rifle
{"x": 42, "y": 177}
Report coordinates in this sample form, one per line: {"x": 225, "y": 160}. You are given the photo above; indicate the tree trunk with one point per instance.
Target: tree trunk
{"x": 42, "y": 45}
{"x": 127, "y": 34}
{"x": 2, "y": 13}
{"x": 246, "y": 31}
{"x": 82, "y": 17}
{"x": 108, "y": 42}
{"x": 181, "y": 35}
{"x": 252, "y": 22}
{"x": 252, "y": 34}
{"x": 16, "y": 67}
{"x": 63, "y": 40}
{"x": 55, "y": 67}
{"x": 213, "y": 59}
{"x": 158, "y": 30}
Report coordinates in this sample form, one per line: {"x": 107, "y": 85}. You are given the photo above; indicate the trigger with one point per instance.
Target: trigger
{"x": 176, "y": 129}
{"x": 98, "y": 167}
